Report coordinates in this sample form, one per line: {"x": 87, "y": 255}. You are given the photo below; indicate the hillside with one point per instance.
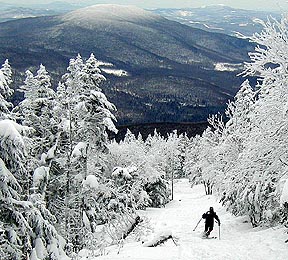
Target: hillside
{"x": 171, "y": 68}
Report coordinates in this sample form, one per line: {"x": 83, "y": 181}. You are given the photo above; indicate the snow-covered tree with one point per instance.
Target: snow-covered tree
{"x": 13, "y": 150}
{"x": 36, "y": 110}
{"x": 191, "y": 170}
{"x": 83, "y": 114}
{"x": 248, "y": 161}
{"x": 26, "y": 223}
{"x": 5, "y": 90}
{"x": 152, "y": 159}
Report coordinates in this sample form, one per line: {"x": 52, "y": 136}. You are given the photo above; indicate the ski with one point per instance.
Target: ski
{"x": 209, "y": 237}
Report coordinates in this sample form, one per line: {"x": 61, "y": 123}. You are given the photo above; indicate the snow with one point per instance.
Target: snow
{"x": 226, "y": 66}
{"x": 23, "y": 203}
{"x": 123, "y": 172}
{"x": 7, "y": 175}
{"x": 158, "y": 237}
{"x": 53, "y": 250}
{"x": 65, "y": 125}
{"x": 33, "y": 255}
{"x": 102, "y": 13}
{"x": 211, "y": 27}
{"x": 2, "y": 80}
{"x": 49, "y": 155}
{"x": 41, "y": 251}
{"x": 103, "y": 63}
{"x": 185, "y": 13}
{"x": 79, "y": 150}
{"x": 101, "y": 98}
{"x": 11, "y": 130}
{"x": 51, "y": 152}
{"x": 91, "y": 181}
{"x": 110, "y": 125}
{"x": 115, "y": 72}
{"x": 86, "y": 221}
{"x": 284, "y": 194}
{"x": 238, "y": 241}
{"x": 40, "y": 174}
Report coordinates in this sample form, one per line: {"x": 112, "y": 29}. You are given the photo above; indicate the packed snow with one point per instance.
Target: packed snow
{"x": 237, "y": 241}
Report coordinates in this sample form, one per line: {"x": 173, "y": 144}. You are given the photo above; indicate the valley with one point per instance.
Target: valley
{"x": 171, "y": 73}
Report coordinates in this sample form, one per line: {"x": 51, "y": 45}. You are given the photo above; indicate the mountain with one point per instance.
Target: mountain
{"x": 219, "y": 18}
{"x": 11, "y": 12}
{"x": 170, "y": 72}
{"x": 57, "y": 5}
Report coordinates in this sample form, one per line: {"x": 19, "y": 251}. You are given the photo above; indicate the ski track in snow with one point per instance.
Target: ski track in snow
{"x": 238, "y": 240}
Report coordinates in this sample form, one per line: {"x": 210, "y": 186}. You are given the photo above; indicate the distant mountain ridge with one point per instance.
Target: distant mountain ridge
{"x": 17, "y": 11}
{"x": 219, "y": 18}
{"x": 172, "y": 69}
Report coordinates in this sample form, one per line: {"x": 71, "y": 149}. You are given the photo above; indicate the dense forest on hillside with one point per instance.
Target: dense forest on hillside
{"x": 157, "y": 70}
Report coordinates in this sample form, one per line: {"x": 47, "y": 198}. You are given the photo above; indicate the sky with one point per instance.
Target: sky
{"x": 270, "y": 5}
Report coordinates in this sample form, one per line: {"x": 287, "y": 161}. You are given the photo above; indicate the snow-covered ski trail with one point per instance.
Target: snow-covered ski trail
{"x": 238, "y": 240}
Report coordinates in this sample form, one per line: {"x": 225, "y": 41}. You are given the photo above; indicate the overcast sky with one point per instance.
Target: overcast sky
{"x": 272, "y": 5}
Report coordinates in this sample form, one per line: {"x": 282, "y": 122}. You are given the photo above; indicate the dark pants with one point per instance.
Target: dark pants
{"x": 208, "y": 228}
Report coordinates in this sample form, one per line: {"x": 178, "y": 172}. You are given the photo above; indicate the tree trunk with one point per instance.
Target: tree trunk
{"x": 133, "y": 226}
{"x": 172, "y": 188}
{"x": 208, "y": 187}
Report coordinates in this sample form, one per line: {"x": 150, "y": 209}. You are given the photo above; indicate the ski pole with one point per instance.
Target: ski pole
{"x": 219, "y": 232}
{"x": 197, "y": 224}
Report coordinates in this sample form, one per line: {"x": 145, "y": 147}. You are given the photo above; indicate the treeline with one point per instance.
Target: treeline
{"x": 164, "y": 129}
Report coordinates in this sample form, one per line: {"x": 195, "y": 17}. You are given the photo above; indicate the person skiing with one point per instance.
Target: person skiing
{"x": 209, "y": 221}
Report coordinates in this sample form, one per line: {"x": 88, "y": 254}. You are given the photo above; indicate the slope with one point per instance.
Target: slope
{"x": 238, "y": 240}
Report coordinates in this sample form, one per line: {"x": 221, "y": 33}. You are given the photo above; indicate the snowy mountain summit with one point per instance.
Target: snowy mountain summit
{"x": 110, "y": 12}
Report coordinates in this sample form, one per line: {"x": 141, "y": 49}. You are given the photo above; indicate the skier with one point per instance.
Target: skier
{"x": 209, "y": 221}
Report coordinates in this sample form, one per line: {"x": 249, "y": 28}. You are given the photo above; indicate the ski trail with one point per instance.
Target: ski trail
{"x": 238, "y": 240}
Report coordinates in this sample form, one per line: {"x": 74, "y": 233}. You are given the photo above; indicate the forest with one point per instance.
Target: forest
{"x": 65, "y": 186}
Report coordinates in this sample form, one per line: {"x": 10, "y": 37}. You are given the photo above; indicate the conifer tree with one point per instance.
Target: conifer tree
{"x": 83, "y": 114}
{"x": 5, "y": 90}
{"x": 24, "y": 220}
{"x": 36, "y": 110}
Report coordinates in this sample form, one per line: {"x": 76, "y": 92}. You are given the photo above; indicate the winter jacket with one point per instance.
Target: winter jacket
{"x": 209, "y": 218}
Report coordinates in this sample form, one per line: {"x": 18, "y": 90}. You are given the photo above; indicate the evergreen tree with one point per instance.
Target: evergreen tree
{"x": 83, "y": 114}
{"x": 36, "y": 110}
{"x": 13, "y": 150}
{"x": 247, "y": 156}
{"x": 151, "y": 160}
{"x": 5, "y": 90}
{"x": 25, "y": 221}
